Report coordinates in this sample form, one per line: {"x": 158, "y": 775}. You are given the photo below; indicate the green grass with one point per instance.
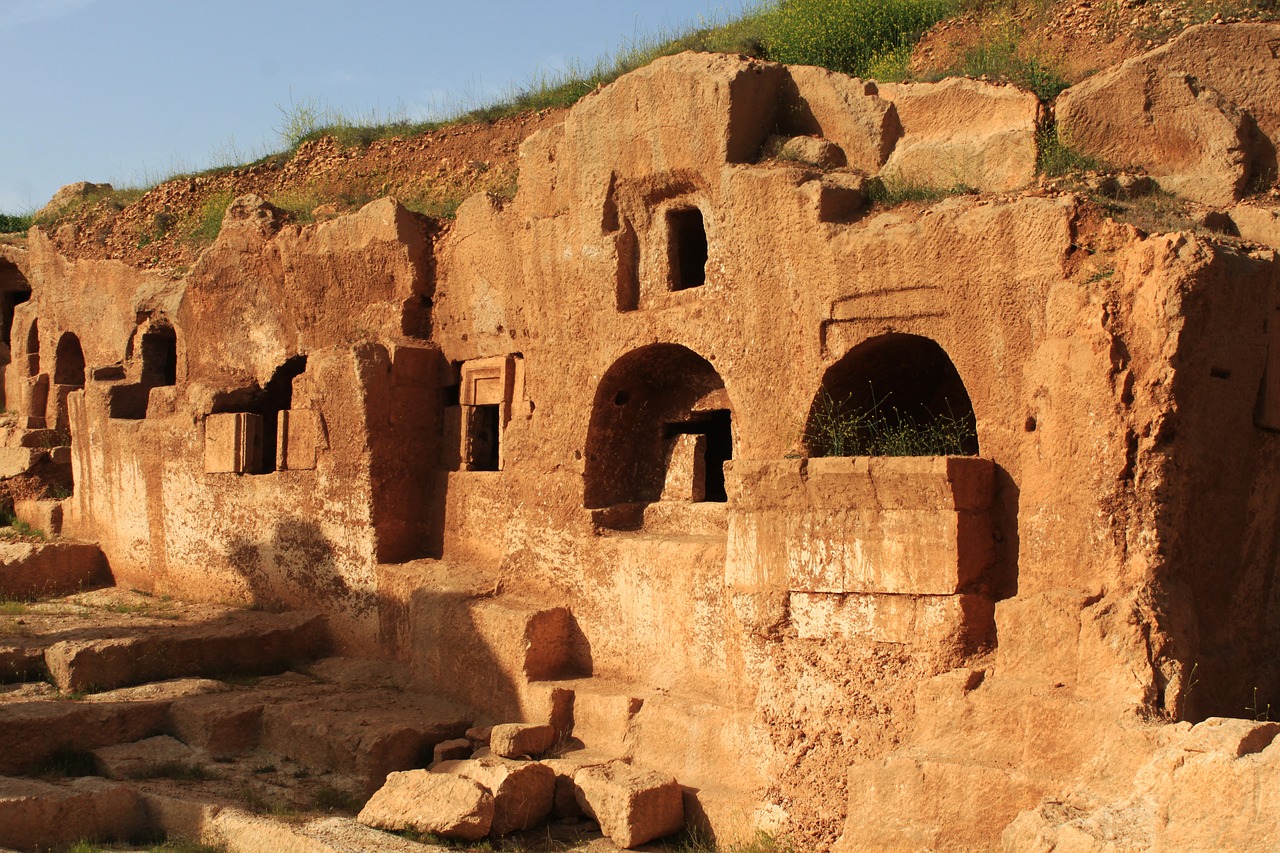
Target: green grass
{"x": 890, "y": 191}
{"x": 1003, "y": 57}
{"x": 10, "y": 223}
{"x": 849, "y": 36}
{"x": 838, "y": 428}
{"x": 1056, "y": 159}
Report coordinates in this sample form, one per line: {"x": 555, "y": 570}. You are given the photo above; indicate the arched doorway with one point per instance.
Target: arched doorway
{"x": 68, "y": 362}
{"x": 656, "y": 407}
{"x": 892, "y": 395}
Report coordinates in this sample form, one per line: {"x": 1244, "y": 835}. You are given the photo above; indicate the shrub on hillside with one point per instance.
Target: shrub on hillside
{"x": 848, "y": 35}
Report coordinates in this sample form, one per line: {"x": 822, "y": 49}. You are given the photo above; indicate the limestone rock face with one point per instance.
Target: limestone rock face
{"x": 442, "y": 804}
{"x": 963, "y": 132}
{"x": 68, "y": 194}
{"x": 632, "y": 806}
{"x": 1184, "y": 133}
{"x": 1215, "y": 786}
{"x": 523, "y": 792}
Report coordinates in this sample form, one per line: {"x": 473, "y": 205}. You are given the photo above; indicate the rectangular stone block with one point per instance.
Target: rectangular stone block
{"x": 233, "y": 443}
{"x": 301, "y": 435}
{"x": 686, "y": 469}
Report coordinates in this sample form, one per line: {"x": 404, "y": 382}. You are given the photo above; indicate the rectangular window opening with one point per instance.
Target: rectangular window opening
{"x": 688, "y": 248}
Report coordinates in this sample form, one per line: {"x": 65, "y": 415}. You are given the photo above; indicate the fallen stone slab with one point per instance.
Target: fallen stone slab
{"x": 242, "y": 643}
{"x": 438, "y": 803}
{"x": 565, "y": 804}
{"x": 38, "y": 569}
{"x": 632, "y": 806}
{"x": 451, "y": 750}
{"x": 522, "y": 791}
{"x": 33, "y": 732}
{"x": 521, "y": 740}
{"x": 37, "y": 815}
{"x": 363, "y": 734}
{"x": 143, "y": 759}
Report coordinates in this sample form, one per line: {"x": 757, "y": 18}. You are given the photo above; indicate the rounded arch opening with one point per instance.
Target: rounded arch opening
{"x": 645, "y": 403}
{"x": 892, "y": 395}
{"x": 68, "y": 361}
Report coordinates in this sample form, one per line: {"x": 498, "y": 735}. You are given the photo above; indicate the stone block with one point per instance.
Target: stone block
{"x": 43, "y": 515}
{"x": 249, "y": 642}
{"x": 521, "y": 740}
{"x": 441, "y": 804}
{"x": 632, "y": 806}
{"x": 233, "y": 443}
{"x": 31, "y": 732}
{"x": 15, "y": 461}
{"x": 162, "y": 401}
{"x": 962, "y": 132}
{"x": 364, "y": 734}
{"x": 686, "y": 478}
{"x": 478, "y": 736}
{"x": 21, "y": 663}
{"x": 222, "y": 724}
{"x": 522, "y": 791}
{"x": 142, "y": 759}
{"x": 845, "y": 110}
{"x": 300, "y": 438}
{"x": 454, "y": 749}
{"x": 33, "y": 569}
{"x": 39, "y": 816}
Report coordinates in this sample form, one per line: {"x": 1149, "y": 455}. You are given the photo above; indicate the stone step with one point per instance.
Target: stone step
{"x": 361, "y": 734}
{"x": 240, "y": 642}
{"x": 36, "y": 815}
{"x": 32, "y": 733}
{"x": 40, "y": 569}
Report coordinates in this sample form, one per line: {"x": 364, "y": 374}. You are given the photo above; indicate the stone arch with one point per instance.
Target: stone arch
{"x": 644, "y": 403}
{"x": 895, "y": 394}
{"x": 68, "y": 361}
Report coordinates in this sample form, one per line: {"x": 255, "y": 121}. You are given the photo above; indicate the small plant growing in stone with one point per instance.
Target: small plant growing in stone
{"x": 842, "y": 428}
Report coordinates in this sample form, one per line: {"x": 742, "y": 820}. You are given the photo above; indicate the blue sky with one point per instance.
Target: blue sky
{"x": 130, "y": 91}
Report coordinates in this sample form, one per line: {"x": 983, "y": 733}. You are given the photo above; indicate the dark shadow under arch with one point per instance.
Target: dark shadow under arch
{"x": 68, "y": 361}
{"x": 890, "y": 395}
{"x": 644, "y": 401}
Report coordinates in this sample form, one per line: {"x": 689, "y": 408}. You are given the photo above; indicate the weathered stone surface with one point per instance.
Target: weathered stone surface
{"x": 521, "y": 740}
{"x": 1177, "y": 800}
{"x": 142, "y": 759}
{"x": 523, "y": 792}
{"x": 73, "y": 192}
{"x": 632, "y": 806}
{"x": 845, "y": 110}
{"x": 221, "y": 724}
{"x": 31, "y": 732}
{"x": 1184, "y": 133}
{"x": 20, "y": 663}
{"x": 30, "y": 569}
{"x": 811, "y": 150}
{"x": 962, "y": 133}
{"x": 364, "y": 734}
{"x": 439, "y": 803}
{"x": 246, "y": 642}
{"x": 37, "y": 815}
